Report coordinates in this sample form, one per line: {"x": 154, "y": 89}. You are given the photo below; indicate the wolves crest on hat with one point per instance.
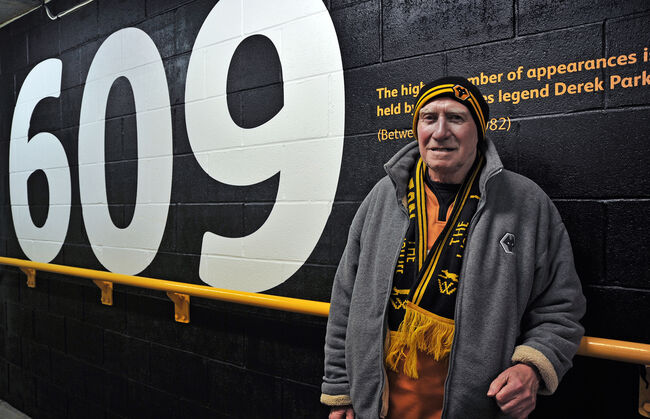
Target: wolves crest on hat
{"x": 460, "y": 92}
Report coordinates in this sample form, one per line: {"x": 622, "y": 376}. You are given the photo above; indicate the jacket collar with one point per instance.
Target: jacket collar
{"x": 493, "y": 165}
{"x": 399, "y": 166}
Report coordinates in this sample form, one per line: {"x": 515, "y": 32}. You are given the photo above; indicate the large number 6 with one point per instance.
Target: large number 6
{"x": 43, "y": 152}
{"x": 304, "y": 141}
{"x": 128, "y": 53}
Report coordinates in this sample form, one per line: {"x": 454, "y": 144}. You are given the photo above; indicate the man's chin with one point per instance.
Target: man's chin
{"x": 439, "y": 168}
{"x": 440, "y": 165}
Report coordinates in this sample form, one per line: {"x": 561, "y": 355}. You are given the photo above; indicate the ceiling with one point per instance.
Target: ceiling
{"x": 11, "y": 9}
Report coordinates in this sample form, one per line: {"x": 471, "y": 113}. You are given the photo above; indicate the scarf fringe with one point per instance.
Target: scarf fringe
{"x": 422, "y": 331}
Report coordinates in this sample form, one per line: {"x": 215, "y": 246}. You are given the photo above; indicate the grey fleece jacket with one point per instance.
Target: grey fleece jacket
{"x": 522, "y": 306}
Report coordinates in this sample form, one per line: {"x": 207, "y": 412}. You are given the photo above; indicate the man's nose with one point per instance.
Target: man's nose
{"x": 441, "y": 129}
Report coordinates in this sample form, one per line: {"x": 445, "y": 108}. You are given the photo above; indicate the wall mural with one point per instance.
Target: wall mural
{"x": 302, "y": 142}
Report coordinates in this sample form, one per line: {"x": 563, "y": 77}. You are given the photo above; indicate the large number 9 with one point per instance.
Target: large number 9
{"x": 304, "y": 141}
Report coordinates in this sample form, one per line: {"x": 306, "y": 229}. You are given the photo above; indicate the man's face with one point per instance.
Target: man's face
{"x": 447, "y": 138}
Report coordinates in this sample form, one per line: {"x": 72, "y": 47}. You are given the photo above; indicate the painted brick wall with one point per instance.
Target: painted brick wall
{"x": 63, "y": 354}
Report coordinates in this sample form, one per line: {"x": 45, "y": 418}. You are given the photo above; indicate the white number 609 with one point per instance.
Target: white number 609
{"x": 303, "y": 142}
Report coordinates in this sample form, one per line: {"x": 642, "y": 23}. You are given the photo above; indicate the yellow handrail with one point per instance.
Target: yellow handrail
{"x": 295, "y": 305}
{"x": 617, "y": 350}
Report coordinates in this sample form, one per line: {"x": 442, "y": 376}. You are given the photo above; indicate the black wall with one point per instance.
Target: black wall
{"x": 63, "y": 354}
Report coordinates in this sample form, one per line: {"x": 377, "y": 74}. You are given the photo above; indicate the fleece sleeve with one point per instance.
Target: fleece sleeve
{"x": 336, "y": 388}
{"x": 551, "y": 329}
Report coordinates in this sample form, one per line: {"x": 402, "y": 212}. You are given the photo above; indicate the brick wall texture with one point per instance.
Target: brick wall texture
{"x": 64, "y": 355}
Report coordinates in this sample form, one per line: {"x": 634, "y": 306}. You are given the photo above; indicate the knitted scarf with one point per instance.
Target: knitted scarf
{"x": 423, "y": 298}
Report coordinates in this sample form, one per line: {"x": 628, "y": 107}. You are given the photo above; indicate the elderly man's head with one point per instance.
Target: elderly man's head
{"x": 449, "y": 120}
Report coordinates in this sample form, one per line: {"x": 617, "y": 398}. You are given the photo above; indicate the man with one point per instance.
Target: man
{"x": 456, "y": 294}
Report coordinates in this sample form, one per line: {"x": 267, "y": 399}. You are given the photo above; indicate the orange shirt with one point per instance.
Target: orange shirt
{"x": 434, "y": 225}
{"x": 421, "y": 398}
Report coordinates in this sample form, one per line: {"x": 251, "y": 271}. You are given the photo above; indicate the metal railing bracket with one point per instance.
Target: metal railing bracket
{"x": 181, "y": 306}
{"x": 107, "y": 291}
{"x": 644, "y": 391}
{"x": 31, "y": 276}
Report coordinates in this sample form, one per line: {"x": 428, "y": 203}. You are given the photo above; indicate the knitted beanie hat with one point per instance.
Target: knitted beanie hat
{"x": 461, "y": 90}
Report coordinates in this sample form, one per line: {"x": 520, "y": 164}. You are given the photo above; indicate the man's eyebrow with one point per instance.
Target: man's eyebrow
{"x": 457, "y": 112}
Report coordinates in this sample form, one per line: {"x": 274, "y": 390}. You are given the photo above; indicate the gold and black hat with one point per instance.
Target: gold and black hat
{"x": 459, "y": 89}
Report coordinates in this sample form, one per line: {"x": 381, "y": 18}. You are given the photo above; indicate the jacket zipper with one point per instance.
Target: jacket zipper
{"x": 385, "y": 331}
{"x": 472, "y": 223}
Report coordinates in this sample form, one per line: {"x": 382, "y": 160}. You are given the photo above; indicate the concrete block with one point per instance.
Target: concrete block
{"x": 421, "y": 27}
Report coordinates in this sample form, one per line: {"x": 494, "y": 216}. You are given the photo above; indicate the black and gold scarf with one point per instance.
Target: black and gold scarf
{"x": 423, "y": 299}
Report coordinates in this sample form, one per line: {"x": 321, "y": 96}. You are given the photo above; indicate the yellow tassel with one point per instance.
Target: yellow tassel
{"x": 420, "y": 330}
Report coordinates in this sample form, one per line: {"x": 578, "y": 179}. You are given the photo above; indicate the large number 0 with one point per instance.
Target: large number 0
{"x": 42, "y": 152}
{"x": 304, "y": 141}
{"x": 128, "y": 53}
